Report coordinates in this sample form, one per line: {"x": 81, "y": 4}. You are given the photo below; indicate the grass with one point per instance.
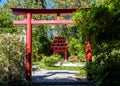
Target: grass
{"x": 75, "y": 68}
{"x": 81, "y": 69}
{"x": 81, "y": 73}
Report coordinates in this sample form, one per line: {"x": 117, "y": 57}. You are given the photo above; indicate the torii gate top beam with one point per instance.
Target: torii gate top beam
{"x": 58, "y": 12}
{"x": 24, "y": 11}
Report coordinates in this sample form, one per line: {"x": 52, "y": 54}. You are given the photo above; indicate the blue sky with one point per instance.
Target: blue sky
{"x": 2, "y": 2}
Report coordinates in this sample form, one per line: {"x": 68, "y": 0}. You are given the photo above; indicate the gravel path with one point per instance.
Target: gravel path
{"x": 42, "y": 75}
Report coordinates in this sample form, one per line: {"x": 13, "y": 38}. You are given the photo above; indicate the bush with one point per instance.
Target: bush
{"x": 38, "y": 58}
{"x": 16, "y": 81}
{"x": 73, "y": 58}
{"x": 3, "y": 82}
{"x": 106, "y": 72}
{"x": 12, "y": 54}
{"x": 76, "y": 49}
{"x": 50, "y": 61}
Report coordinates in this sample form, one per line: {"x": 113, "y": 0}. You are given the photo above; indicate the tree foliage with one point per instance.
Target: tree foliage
{"x": 39, "y": 33}
{"x": 98, "y": 23}
{"x": 76, "y": 49}
{"x": 6, "y": 17}
{"x": 41, "y": 43}
{"x": 33, "y": 4}
{"x": 72, "y": 3}
{"x": 101, "y": 25}
{"x": 11, "y": 49}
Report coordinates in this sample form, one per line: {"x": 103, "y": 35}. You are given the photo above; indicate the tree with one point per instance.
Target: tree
{"x": 6, "y": 17}
{"x": 40, "y": 41}
{"x": 6, "y": 26}
{"x": 33, "y": 3}
{"x": 101, "y": 25}
{"x": 72, "y": 3}
{"x": 70, "y": 31}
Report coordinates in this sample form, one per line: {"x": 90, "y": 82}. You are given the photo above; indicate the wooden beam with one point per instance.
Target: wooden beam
{"x": 52, "y": 22}
{"x": 24, "y": 11}
{"x": 22, "y": 22}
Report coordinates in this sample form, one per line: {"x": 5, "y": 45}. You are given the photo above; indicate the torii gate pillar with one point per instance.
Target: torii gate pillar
{"x": 28, "y": 46}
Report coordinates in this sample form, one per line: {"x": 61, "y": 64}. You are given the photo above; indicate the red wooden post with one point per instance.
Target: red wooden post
{"x": 65, "y": 55}
{"x": 58, "y": 16}
{"x": 28, "y": 46}
{"x": 88, "y": 51}
{"x": 88, "y": 58}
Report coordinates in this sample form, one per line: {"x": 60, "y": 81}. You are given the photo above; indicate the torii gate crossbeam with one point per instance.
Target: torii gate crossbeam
{"x": 29, "y": 22}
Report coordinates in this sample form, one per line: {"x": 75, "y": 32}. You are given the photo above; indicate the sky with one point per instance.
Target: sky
{"x": 48, "y": 2}
{"x": 2, "y": 2}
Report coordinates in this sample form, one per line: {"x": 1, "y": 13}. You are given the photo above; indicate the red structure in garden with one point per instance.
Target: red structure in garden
{"x": 29, "y": 22}
{"x": 59, "y": 45}
{"x": 88, "y": 51}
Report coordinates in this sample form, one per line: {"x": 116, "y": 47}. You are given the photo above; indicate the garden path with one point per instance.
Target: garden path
{"x": 42, "y": 75}
{"x": 55, "y": 76}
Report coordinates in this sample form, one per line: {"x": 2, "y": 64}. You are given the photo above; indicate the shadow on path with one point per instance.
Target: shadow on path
{"x": 58, "y": 77}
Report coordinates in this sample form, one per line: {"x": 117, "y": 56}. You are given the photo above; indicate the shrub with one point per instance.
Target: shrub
{"x": 50, "y": 61}
{"x": 12, "y": 53}
{"x": 73, "y": 58}
{"x": 38, "y": 58}
{"x": 76, "y": 49}
{"x": 106, "y": 71}
{"x": 3, "y": 82}
{"x": 16, "y": 81}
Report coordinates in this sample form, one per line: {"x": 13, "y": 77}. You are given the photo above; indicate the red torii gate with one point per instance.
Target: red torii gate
{"x": 29, "y": 21}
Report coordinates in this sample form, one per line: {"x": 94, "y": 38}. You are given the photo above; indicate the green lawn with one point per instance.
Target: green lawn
{"x": 75, "y": 68}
